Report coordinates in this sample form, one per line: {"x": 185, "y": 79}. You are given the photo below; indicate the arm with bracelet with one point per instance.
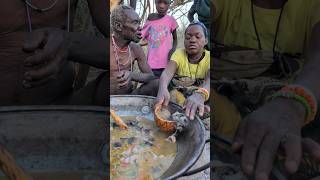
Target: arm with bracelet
{"x": 305, "y": 91}
{"x": 196, "y": 102}
{"x": 278, "y": 123}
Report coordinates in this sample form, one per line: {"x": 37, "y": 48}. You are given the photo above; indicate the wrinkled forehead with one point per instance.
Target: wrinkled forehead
{"x": 131, "y": 15}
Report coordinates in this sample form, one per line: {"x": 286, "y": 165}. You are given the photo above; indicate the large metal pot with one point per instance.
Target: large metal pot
{"x": 190, "y": 144}
{"x": 56, "y": 142}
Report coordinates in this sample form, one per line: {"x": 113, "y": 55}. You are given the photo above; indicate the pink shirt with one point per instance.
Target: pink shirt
{"x": 158, "y": 33}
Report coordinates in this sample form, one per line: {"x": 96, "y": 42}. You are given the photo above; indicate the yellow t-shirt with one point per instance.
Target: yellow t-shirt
{"x": 184, "y": 68}
{"x": 233, "y": 24}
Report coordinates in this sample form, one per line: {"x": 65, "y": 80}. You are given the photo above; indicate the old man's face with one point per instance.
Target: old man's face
{"x": 131, "y": 27}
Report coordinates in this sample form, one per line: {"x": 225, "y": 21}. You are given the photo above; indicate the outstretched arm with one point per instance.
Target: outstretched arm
{"x": 89, "y": 50}
{"x": 163, "y": 96}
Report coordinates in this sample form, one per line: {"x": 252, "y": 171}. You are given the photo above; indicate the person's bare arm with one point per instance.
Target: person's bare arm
{"x": 196, "y": 100}
{"x": 52, "y": 45}
{"x": 167, "y": 75}
{"x": 174, "y": 44}
{"x": 163, "y": 96}
{"x": 99, "y": 10}
{"x": 89, "y": 50}
{"x": 262, "y": 132}
{"x": 146, "y": 73}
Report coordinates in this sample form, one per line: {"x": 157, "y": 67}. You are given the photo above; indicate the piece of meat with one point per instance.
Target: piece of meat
{"x": 172, "y": 138}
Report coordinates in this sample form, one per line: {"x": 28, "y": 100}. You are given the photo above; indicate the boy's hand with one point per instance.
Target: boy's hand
{"x": 143, "y": 42}
{"x": 124, "y": 78}
{"x": 163, "y": 97}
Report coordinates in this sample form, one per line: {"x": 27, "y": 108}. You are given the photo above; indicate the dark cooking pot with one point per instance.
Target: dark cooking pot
{"x": 190, "y": 143}
{"x": 56, "y": 142}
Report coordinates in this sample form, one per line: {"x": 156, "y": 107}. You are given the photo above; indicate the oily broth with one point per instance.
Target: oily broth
{"x": 141, "y": 151}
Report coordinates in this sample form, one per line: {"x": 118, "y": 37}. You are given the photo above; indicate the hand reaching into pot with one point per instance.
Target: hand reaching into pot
{"x": 163, "y": 97}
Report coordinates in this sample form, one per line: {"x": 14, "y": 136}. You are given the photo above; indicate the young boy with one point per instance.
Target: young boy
{"x": 160, "y": 33}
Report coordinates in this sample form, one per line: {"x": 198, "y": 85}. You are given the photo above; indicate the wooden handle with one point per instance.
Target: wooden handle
{"x": 118, "y": 120}
{"x": 10, "y": 168}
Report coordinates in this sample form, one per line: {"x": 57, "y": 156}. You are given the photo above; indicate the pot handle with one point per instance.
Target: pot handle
{"x": 210, "y": 164}
{"x": 204, "y": 167}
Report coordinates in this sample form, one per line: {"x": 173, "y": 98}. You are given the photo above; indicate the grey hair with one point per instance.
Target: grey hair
{"x": 118, "y": 15}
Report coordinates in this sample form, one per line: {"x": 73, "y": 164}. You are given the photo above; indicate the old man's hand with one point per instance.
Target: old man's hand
{"x": 274, "y": 126}
{"x": 48, "y": 48}
{"x": 124, "y": 78}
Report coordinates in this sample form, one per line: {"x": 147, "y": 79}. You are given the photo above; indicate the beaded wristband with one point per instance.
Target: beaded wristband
{"x": 204, "y": 92}
{"x": 310, "y": 98}
{"x": 296, "y": 97}
{"x": 302, "y": 95}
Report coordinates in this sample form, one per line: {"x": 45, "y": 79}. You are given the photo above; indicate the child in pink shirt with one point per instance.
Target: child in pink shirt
{"x": 160, "y": 33}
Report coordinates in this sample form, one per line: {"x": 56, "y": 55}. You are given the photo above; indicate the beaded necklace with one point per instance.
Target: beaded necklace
{"x": 116, "y": 48}
{"x": 42, "y": 10}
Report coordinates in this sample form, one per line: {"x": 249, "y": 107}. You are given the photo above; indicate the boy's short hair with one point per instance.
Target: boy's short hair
{"x": 118, "y": 15}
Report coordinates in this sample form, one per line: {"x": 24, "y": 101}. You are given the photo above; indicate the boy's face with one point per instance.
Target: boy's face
{"x": 195, "y": 40}
{"x": 162, "y": 6}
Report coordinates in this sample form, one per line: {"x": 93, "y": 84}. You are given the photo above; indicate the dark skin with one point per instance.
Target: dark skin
{"x": 260, "y": 133}
{"x": 44, "y": 72}
{"x": 53, "y": 38}
{"x": 128, "y": 34}
{"x": 195, "y": 41}
{"x": 162, "y": 7}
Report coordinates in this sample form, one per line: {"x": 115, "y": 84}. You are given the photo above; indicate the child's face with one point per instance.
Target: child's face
{"x": 195, "y": 39}
{"x": 162, "y": 6}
